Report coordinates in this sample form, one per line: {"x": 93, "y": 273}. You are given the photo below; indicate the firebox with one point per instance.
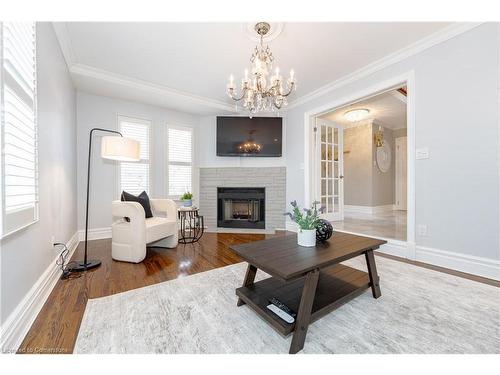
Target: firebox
{"x": 241, "y": 207}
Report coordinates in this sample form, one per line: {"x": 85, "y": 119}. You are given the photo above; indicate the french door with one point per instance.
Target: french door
{"x": 329, "y": 168}
{"x": 401, "y": 173}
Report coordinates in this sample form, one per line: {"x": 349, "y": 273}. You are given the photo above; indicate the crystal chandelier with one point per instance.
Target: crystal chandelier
{"x": 261, "y": 92}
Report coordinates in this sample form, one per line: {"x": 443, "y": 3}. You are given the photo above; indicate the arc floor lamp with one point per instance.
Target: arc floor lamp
{"x": 115, "y": 147}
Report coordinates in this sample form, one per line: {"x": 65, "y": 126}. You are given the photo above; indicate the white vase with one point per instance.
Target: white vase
{"x": 306, "y": 237}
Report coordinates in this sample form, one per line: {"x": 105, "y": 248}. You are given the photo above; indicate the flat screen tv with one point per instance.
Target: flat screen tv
{"x": 244, "y": 136}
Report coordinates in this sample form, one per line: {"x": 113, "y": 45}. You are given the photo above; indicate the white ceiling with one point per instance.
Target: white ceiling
{"x": 387, "y": 109}
{"x": 176, "y": 64}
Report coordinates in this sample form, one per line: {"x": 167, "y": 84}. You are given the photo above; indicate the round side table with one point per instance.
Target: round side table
{"x": 191, "y": 225}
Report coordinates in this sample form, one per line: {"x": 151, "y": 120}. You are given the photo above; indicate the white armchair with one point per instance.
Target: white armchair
{"x": 129, "y": 238}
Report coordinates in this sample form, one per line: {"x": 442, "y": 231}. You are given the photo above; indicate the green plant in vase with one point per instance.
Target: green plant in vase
{"x": 307, "y": 219}
{"x": 187, "y": 199}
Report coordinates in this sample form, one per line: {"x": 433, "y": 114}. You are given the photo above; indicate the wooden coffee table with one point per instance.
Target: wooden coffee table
{"x": 309, "y": 280}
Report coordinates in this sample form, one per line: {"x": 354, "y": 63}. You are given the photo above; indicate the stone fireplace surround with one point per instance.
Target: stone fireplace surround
{"x": 273, "y": 179}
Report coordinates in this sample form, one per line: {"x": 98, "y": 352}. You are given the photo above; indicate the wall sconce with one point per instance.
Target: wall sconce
{"x": 379, "y": 137}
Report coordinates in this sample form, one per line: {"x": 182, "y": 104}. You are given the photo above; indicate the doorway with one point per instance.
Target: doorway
{"x": 393, "y": 218}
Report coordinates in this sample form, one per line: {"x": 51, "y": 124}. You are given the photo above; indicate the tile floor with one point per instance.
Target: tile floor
{"x": 390, "y": 224}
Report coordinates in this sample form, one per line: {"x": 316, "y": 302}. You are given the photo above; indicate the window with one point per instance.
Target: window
{"x": 18, "y": 134}
{"x": 134, "y": 177}
{"x": 180, "y": 154}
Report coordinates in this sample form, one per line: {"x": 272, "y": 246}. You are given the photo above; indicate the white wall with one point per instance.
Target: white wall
{"x": 26, "y": 254}
{"x": 457, "y": 189}
{"x": 100, "y": 111}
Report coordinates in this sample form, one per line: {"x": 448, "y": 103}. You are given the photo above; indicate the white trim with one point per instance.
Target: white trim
{"x": 20, "y": 320}
{"x": 421, "y": 45}
{"x": 408, "y": 51}
{"x": 62, "y": 34}
{"x": 485, "y": 267}
{"x": 407, "y": 78}
{"x": 400, "y": 97}
{"x": 392, "y": 247}
{"x": 396, "y": 248}
{"x": 145, "y": 86}
{"x": 14, "y": 221}
{"x": 95, "y": 234}
{"x": 349, "y": 208}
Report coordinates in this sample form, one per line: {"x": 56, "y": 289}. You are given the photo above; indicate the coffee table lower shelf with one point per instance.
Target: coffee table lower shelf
{"x": 336, "y": 286}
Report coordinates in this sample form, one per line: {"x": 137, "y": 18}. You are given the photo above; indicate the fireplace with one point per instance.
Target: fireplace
{"x": 241, "y": 208}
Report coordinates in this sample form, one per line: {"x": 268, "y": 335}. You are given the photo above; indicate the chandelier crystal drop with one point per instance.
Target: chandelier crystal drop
{"x": 261, "y": 91}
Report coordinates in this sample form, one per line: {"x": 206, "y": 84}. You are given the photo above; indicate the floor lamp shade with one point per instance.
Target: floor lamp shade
{"x": 120, "y": 148}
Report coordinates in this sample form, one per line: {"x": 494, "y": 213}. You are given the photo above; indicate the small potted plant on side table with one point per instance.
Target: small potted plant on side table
{"x": 307, "y": 220}
{"x": 187, "y": 199}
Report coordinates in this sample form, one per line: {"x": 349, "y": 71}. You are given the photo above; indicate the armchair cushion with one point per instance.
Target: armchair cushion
{"x": 159, "y": 227}
{"x": 142, "y": 198}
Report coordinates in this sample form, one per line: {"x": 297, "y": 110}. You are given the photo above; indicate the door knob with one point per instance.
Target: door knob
{"x": 341, "y": 177}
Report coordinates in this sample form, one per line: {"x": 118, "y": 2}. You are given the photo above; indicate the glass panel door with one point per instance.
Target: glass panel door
{"x": 329, "y": 156}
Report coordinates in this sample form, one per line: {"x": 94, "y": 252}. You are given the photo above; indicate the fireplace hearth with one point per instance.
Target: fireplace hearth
{"x": 241, "y": 207}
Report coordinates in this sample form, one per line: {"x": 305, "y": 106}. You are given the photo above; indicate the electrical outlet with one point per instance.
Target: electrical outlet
{"x": 422, "y": 153}
{"x": 422, "y": 230}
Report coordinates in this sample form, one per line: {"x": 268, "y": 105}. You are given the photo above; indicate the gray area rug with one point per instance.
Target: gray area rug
{"x": 420, "y": 311}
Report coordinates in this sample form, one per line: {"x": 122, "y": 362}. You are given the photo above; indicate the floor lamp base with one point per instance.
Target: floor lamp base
{"x": 80, "y": 266}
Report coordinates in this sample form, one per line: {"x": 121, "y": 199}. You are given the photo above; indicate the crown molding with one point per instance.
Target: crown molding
{"x": 402, "y": 98}
{"x": 82, "y": 70}
{"x": 411, "y": 50}
{"x": 145, "y": 86}
{"x": 64, "y": 39}
{"x": 75, "y": 68}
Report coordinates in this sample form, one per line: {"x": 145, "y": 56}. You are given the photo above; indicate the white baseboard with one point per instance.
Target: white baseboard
{"x": 20, "y": 320}
{"x": 396, "y": 248}
{"x": 368, "y": 209}
{"x": 485, "y": 267}
{"x": 95, "y": 234}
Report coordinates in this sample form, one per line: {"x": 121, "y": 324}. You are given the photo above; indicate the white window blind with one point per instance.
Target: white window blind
{"x": 134, "y": 177}
{"x": 180, "y": 151}
{"x": 18, "y": 134}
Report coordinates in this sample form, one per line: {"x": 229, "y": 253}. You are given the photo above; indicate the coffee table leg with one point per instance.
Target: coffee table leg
{"x": 304, "y": 313}
{"x": 372, "y": 271}
{"x": 249, "y": 278}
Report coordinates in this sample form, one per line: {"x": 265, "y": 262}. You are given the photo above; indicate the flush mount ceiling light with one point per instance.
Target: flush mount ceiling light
{"x": 355, "y": 115}
{"x": 260, "y": 89}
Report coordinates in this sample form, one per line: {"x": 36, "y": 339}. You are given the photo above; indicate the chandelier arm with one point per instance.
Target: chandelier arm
{"x": 289, "y": 90}
{"x": 235, "y": 98}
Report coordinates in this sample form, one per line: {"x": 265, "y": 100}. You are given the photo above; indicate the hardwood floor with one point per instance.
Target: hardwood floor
{"x": 56, "y": 327}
